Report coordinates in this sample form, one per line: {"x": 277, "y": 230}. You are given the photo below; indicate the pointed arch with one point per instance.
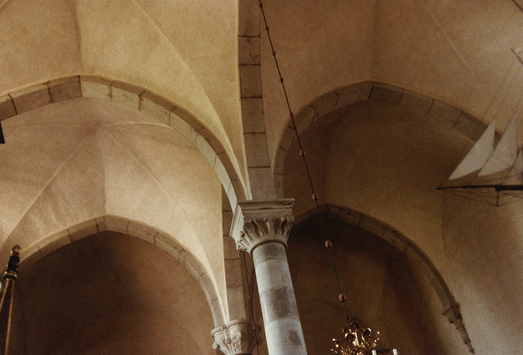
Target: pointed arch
{"x": 136, "y": 98}
{"x": 451, "y": 308}
{"x": 430, "y": 110}
{"x": 155, "y": 236}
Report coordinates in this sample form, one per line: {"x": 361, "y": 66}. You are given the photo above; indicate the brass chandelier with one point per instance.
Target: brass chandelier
{"x": 359, "y": 340}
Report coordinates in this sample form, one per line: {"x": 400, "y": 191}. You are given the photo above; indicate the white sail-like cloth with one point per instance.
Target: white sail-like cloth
{"x": 478, "y": 155}
{"x": 506, "y": 151}
{"x": 517, "y": 169}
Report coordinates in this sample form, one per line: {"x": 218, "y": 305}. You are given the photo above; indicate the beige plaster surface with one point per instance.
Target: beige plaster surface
{"x": 483, "y": 247}
{"x": 378, "y": 159}
{"x": 459, "y": 52}
{"x": 80, "y": 159}
{"x": 184, "y": 51}
{"x": 386, "y": 162}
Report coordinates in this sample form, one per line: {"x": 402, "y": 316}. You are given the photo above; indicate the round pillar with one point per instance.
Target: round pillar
{"x": 262, "y": 229}
{"x": 281, "y": 320}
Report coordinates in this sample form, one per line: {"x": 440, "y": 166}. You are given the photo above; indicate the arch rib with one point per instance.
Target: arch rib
{"x": 136, "y": 98}
{"x": 39, "y": 249}
{"x": 451, "y": 308}
{"x": 430, "y": 110}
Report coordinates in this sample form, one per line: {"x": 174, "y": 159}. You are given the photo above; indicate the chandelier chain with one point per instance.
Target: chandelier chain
{"x": 251, "y": 302}
{"x": 302, "y": 154}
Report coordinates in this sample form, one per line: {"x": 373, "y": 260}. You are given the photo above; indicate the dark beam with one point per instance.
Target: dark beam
{"x": 495, "y": 187}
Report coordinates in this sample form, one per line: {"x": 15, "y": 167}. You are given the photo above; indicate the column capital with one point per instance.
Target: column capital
{"x": 235, "y": 338}
{"x": 258, "y": 222}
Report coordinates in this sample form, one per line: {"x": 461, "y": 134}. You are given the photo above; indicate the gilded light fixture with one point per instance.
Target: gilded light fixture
{"x": 358, "y": 340}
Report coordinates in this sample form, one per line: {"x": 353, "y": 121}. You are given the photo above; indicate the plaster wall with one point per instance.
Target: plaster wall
{"x": 81, "y": 159}
{"x": 382, "y": 161}
{"x": 483, "y": 247}
{"x": 459, "y": 52}
{"x": 168, "y": 47}
{"x": 320, "y": 45}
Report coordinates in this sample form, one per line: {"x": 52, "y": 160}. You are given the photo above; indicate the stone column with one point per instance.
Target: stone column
{"x": 235, "y": 338}
{"x": 262, "y": 229}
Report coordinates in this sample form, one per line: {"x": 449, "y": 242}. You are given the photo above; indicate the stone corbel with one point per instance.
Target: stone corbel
{"x": 258, "y": 222}
{"x": 236, "y": 338}
{"x": 453, "y": 314}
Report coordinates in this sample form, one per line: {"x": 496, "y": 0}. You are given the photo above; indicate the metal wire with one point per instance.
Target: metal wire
{"x": 250, "y": 302}
{"x": 302, "y": 153}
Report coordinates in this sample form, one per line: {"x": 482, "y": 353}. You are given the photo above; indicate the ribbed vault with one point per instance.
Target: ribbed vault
{"x": 80, "y": 159}
{"x": 154, "y": 45}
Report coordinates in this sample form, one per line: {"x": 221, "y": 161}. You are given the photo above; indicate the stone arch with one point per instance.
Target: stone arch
{"x": 451, "y": 308}
{"x": 429, "y": 109}
{"x": 136, "y": 98}
{"x": 39, "y": 249}
{"x": 391, "y": 235}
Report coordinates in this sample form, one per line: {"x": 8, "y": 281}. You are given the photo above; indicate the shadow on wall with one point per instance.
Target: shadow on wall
{"x": 382, "y": 286}
{"x": 112, "y": 293}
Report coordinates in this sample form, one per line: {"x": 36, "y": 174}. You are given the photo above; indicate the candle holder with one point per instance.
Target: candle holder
{"x": 358, "y": 340}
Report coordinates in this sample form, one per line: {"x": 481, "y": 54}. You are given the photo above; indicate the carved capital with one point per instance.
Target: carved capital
{"x": 453, "y": 314}
{"x": 236, "y": 338}
{"x": 258, "y": 222}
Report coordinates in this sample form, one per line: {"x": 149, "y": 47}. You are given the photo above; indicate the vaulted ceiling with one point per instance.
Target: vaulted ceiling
{"x": 459, "y": 52}
{"x": 79, "y": 159}
{"x": 185, "y": 51}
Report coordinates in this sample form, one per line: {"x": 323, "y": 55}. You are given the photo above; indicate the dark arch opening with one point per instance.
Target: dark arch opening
{"x": 113, "y": 293}
{"x": 384, "y": 289}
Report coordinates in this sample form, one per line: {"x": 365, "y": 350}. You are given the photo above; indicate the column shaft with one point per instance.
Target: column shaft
{"x": 262, "y": 229}
{"x": 283, "y": 330}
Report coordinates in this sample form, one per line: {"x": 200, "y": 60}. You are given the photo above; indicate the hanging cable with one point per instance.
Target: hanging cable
{"x": 328, "y": 243}
{"x": 250, "y": 302}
